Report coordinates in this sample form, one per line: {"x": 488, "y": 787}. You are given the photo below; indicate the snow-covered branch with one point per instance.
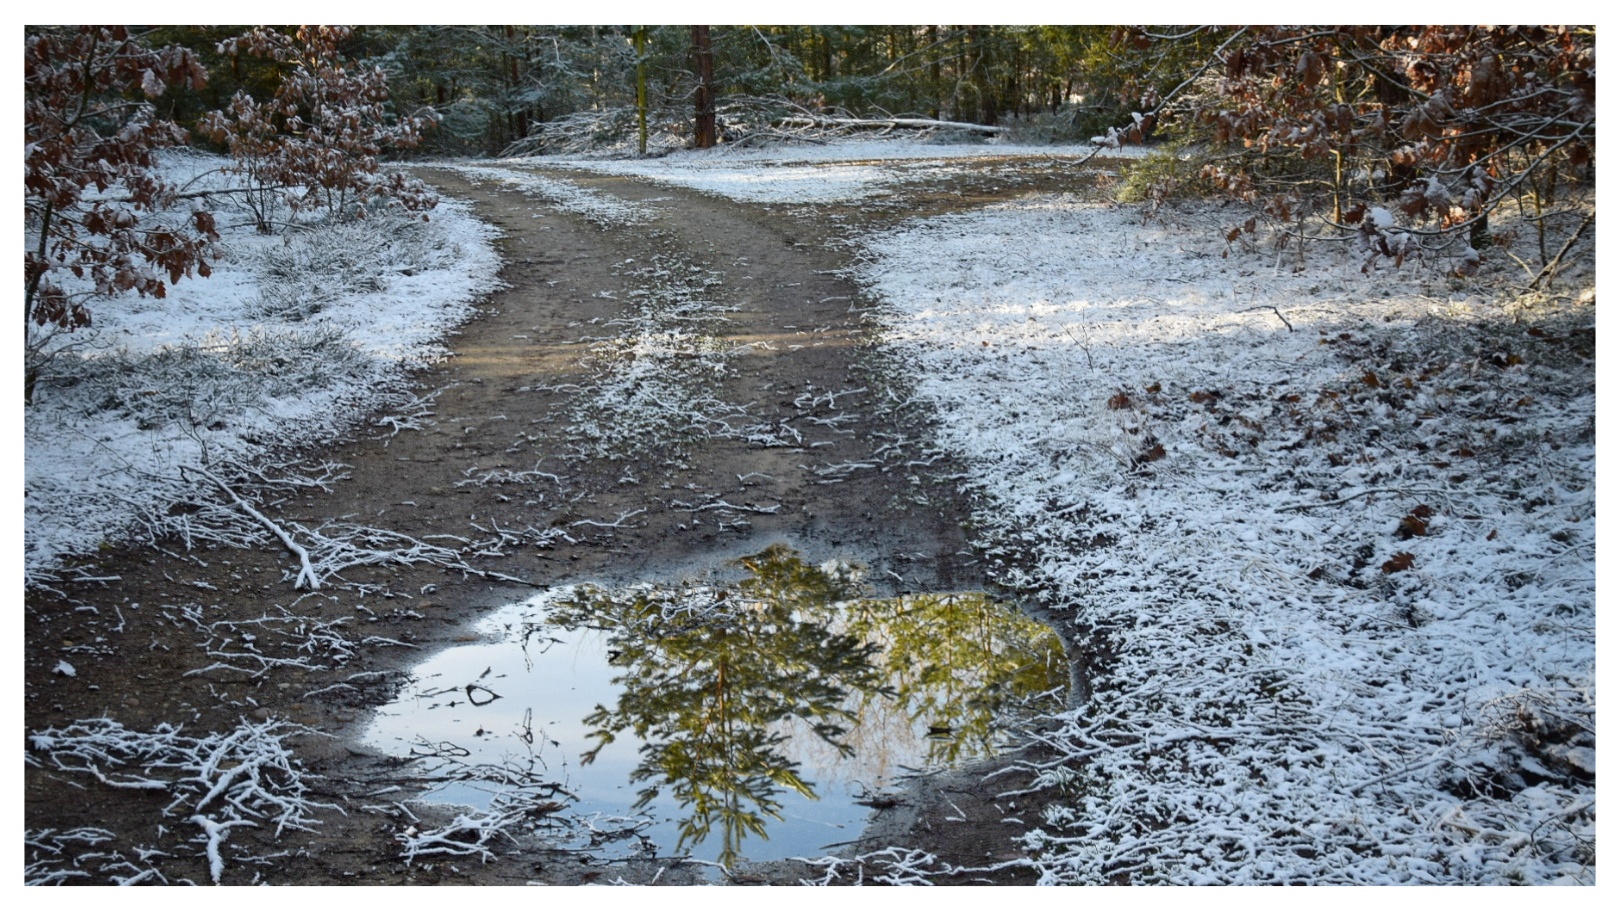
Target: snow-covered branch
{"x": 306, "y": 573}
{"x": 244, "y": 777}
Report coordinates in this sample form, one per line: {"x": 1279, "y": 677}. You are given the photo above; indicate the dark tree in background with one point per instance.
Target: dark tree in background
{"x": 703, "y": 136}
{"x": 497, "y": 85}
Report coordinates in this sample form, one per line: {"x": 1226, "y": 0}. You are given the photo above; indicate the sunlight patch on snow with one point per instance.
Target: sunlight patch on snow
{"x": 599, "y": 208}
{"x": 874, "y": 150}
{"x": 748, "y": 183}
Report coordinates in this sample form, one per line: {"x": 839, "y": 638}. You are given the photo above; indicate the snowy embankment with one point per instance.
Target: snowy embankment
{"x": 293, "y": 340}
{"x": 1327, "y": 540}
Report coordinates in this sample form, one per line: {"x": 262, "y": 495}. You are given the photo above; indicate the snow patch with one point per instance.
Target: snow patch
{"x": 291, "y": 341}
{"x": 1327, "y": 542}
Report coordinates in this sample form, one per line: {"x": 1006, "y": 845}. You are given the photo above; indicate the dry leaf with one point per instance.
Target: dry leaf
{"x": 1398, "y": 563}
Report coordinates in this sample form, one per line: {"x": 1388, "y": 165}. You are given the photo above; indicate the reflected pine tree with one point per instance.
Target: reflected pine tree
{"x": 719, "y": 680}
{"x": 958, "y": 663}
{"x": 711, "y": 675}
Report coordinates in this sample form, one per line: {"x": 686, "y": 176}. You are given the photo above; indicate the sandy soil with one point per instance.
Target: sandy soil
{"x": 138, "y": 643}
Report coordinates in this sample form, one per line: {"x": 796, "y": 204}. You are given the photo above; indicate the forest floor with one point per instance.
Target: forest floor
{"x": 147, "y": 647}
{"x": 1317, "y": 526}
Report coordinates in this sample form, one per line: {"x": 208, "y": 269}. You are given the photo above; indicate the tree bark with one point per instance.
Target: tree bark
{"x": 934, "y": 51}
{"x": 641, "y": 88}
{"x": 979, "y": 66}
{"x": 703, "y": 135}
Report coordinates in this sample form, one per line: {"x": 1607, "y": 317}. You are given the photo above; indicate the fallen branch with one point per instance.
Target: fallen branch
{"x": 306, "y": 571}
{"x": 1284, "y": 319}
{"x": 916, "y": 123}
{"x": 244, "y": 777}
{"x": 468, "y": 835}
{"x": 216, "y": 833}
{"x": 616, "y": 523}
{"x": 1552, "y": 264}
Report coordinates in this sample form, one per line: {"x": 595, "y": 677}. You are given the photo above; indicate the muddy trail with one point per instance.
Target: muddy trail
{"x": 792, "y": 430}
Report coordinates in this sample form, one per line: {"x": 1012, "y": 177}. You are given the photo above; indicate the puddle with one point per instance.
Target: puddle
{"x": 743, "y": 715}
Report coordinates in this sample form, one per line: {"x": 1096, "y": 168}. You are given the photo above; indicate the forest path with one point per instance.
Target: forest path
{"x": 788, "y": 364}
{"x": 790, "y": 440}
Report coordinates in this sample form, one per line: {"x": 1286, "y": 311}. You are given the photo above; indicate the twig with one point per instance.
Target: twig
{"x": 1552, "y": 264}
{"x": 1276, "y": 311}
{"x": 306, "y": 571}
{"x": 216, "y": 832}
{"x": 1301, "y": 507}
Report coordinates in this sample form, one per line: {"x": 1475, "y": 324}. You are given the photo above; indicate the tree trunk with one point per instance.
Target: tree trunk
{"x": 641, "y": 88}
{"x": 703, "y": 134}
{"x": 959, "y": 109}
{"x": 983, "y": 93}
{"x": 517, "y": 118}
{"x": 932, "y": 37}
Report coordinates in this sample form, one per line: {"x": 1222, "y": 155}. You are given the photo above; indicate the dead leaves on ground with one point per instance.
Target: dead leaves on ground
{"x": 1415, "y": 523}
{"x": 1401, "y": 562}
{"x": 1397, "y": 416}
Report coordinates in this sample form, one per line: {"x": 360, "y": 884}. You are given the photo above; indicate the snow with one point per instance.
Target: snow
{"x": 1328, "y": 530}
{"x": 1204, "y": 461}
{"x": 600, "y": 209}
{"x": 1330, "y": 533}
{"x": 839, "y": 172}
{"x": 249, "y": 776}
{"x": 292, "y": 340}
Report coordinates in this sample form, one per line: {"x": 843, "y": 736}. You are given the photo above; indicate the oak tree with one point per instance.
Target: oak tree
{"x": 1412, "y": 134}
{"x": 90, "y": 188}
{"x": 317, "y": 144}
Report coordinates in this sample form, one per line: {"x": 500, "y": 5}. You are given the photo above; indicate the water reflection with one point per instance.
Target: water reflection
{"x": 709, "y": 676}
{"x": 786, "y": 682}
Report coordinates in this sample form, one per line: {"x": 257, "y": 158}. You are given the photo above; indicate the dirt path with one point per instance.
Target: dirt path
{"x": 798, "y": 333}
{"x": 808, "y": 456}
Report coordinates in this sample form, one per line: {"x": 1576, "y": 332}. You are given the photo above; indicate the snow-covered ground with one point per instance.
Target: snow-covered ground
{"x": 1330, "y": 536}
{"x": 827, "y": 173}
{"x": 598, "y": 208}
{"x": 1329, "y": 539}
{"x": 292, "y": 340}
